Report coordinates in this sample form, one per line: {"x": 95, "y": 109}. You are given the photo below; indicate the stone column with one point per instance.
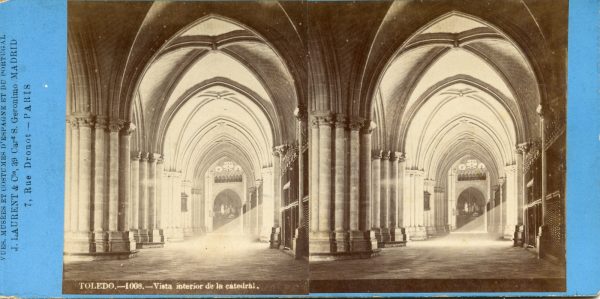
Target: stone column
{"x": 429, "y": 215}
{"x": 340, "y": 187}
{"x": 268, "y": 205}
{"x": 322, "y": 240}
{"x": 366, "y": 188}
{"x": 300, "y": 241}
{"x": 278, "y": 153}
{"x": 357, "y": 240}
{"x": 143, "y": 200}
{"x": 398, "y": 233}
{"x": 100, "y": 194}
{"x": 440, "y": 209}
{"x": 416, "y": 188}
{"x": 83, "y": 236}
{"x": 314, "y": 177}
{"x": 512, "y": 194}
{"x": 452, "y": 200}
{"x": 153, "y": 231}
{"x": 74, "y": 177}
{"x": 376, "y": 193}
{"x": 186, "y": 186}
{"x": 502, "y": 217}
{"x": 78, "y": 238}
{"x": 259, "y": 202}
{"x": 125, "y": 185}
{"x": 208, "y": 199}
{"x": 384, "y": 197}
{"x": 68, "y": 157}
{"x": 160, "y": 173}
{"x": 176, "y": 217}
{"x": 135, "y": 194}
{"x": 113, "y": 179}
{"x": 522, "y": 150}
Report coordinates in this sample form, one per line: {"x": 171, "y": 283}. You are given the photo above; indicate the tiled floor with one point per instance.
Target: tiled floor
{"x": 207, "y": 258}
{"x": 456, "y": 256}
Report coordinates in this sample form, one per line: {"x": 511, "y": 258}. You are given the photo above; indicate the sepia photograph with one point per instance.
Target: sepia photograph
{"x": 294, "y": 147}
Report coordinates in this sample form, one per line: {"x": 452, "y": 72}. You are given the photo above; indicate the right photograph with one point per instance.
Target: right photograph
{"x": 437, "y": 146}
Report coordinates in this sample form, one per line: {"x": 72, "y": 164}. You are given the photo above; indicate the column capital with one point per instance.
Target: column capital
{"x": 368, "y": 126}
{"x": 400, "y": 156}
{"x": 153, "y": 157}
{"x": 510, "y": 168}
{"x": 84, "y": 120}
{"x": 524, "y": 147}
{"x": 376, "y": 154}
{"x": 172, "y": 174}
{"x": 355, "y": 123}
{"x": 186, "y": 183}
{"x": 300, "y": 113}
{"x": 115, "y": 125}
{"x": 323, "y": 119}
{"x": 501, "y": 181}
{"x": 266, "y": 170}
{"x": 415, "y": 172}
{"x": 128, "y": 128}
{"x": 258, "y": 183}
{"x": 385, "y": 155}
{"x": 540, "y": 111}
{"x": 101, "y": 123}
{"x": 341, "y": 121}
{"x": 280, "y": 150}
{"x": 135, "y": 156}
{"x": 144, "y": 156}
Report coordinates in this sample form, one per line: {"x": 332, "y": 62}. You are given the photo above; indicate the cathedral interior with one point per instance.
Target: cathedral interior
{"x": 350, "y": 135}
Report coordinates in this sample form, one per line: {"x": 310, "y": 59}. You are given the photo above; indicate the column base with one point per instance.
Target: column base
{"x": 155, "y": 239}
{"x": 198, "y": 231}
{"x": 142, "y": 236}
{"x": 88, "y": 246}
{"x": 431, "y": 230}
{"x": 188, "y": 232}
{"x": 358, "y": 242}
{"x": 321, "y": 242}
{"x": 397, "y": 239}
{"x": 416, "y": 233}
{"x": 275, "y": 238}
{"x": 173, "y": 234}
{"x": 323, "y": 246}
{"x": 156, "y": 236}
{"x": 300, "y": 243}
{"x": 342, "y": 243}
{"x": 100, "y": 243}
{"x": 518, "y": 239}
{"x": 441, "y": 229}
{"x": 79, "y": 243}
{"x": 135, "y": 235}
{"x": 385, "y": 234}
{"x": 508, "y": 232}
{"x": 120, "y": 242}
{"x": 376, "y": 231}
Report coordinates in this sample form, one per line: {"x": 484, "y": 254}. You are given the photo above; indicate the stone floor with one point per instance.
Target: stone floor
{"x": 455, "y": 256}
{"x": 211, "y": 257}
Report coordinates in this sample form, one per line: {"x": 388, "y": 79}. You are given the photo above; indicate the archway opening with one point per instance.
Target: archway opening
{"x": 470, "y": 207}
{"x": 226, "y": 211}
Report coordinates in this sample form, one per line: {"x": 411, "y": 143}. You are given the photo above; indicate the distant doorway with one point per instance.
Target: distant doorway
{"x": 226, "y": 213}
{"x": 470, "y": 208}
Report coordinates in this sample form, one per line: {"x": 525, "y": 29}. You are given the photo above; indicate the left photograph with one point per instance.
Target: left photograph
{"x": 185, "y": 150}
